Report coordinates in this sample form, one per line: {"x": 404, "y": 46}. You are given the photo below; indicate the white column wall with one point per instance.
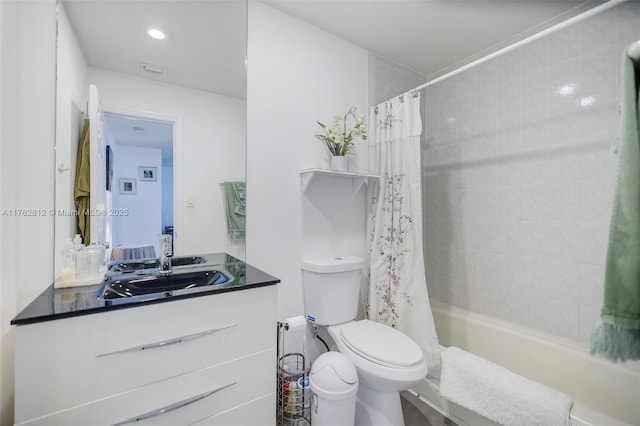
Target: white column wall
{"x": 298, "y": 74}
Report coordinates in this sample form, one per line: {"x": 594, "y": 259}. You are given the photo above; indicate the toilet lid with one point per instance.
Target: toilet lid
{"x": 381, "y": 344}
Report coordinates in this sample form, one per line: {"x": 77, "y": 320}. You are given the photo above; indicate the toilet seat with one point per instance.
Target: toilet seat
{"x": 381, "y": 344}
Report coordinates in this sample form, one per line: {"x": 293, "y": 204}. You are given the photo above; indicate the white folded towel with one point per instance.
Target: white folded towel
{"x": 499, "y": 394}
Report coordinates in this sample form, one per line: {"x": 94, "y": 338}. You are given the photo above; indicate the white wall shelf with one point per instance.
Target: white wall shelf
{"x": 357, "y": 179}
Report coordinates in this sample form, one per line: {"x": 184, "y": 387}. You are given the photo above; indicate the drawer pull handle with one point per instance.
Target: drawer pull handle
{"x": 173, "y": 406}
{"x": 168, "y": 342}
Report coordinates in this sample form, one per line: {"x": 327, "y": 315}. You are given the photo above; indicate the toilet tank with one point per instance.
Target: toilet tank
{"x": 331, "y": 289}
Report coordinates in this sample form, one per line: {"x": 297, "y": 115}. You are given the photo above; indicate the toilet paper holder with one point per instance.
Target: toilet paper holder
{"x": 294, "y": 396}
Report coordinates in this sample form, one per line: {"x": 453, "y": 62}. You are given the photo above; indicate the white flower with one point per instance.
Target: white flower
{"x": 336, "y": 138}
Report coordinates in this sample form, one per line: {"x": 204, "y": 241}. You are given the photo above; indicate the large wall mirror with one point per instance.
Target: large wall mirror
{"x": 167, "y": 114}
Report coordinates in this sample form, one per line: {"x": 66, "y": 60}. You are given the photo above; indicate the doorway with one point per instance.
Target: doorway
{"x": 141, "y": 177}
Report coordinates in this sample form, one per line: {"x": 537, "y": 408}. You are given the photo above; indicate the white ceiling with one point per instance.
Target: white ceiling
{"x": 207, "y": 45}
{"x": 428, "y": 35}
{"x": 142, "y": 132}
{"x": 206, "y": 48}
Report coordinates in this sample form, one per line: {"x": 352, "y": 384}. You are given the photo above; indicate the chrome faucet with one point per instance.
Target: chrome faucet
{"x": 166, "y": 253}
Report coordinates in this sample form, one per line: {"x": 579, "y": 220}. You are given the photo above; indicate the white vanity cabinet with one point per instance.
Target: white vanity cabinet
{"x": 187, "y": 361}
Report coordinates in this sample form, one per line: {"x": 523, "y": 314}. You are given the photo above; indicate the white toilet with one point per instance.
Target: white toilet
{"x": 387, "y": 361}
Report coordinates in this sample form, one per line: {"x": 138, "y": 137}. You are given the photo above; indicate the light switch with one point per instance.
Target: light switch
{"x": 191, "y": 200}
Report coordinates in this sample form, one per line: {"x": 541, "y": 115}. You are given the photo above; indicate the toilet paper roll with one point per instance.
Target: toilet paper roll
{"x": 295, "y": 325}
{"x": 294, "y": 337}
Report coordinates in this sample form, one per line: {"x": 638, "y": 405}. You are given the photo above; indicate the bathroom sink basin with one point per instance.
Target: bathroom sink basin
{"x": 118, "y": 287}
{"x": 125, "y": 267}
{"x": 187, "y": 260}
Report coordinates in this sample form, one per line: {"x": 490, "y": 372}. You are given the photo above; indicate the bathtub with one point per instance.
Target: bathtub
{"x": 604, "y": 393}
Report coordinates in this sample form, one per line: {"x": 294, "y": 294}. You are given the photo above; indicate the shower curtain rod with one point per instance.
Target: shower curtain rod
{"x": 589, "y": 13}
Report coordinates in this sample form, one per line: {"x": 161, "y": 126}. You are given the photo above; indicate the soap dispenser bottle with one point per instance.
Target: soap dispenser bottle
{"x": 77, "y": 242}
{"x": 68, "y": 263}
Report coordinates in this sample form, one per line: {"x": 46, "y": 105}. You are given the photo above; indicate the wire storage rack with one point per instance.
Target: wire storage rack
{"x": 294, "y": 396}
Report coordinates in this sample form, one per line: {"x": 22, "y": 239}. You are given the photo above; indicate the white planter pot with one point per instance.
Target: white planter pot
{"x": 340, "y": 163}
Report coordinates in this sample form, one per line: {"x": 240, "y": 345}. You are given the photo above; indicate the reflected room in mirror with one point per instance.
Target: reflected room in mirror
{"x": 163, "y": 86}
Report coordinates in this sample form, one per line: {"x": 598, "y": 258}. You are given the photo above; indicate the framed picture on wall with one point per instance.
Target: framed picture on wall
{"x": 109, "y": 177}
{"x": 127, "y": 186}
{"x": 147, "y": 174}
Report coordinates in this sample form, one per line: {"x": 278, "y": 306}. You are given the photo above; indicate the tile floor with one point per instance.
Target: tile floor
{"x": 418, "y": 413}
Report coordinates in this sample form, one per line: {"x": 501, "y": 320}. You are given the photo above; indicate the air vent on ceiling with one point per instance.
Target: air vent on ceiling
{"x": 154, "y": 69}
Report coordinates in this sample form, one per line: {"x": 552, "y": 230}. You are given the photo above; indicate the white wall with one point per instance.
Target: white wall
{"x": 521, "y": 175}
{"x": 143, "y": 223}
{"x": 167, "y": 196}
{"x": 213, "y": 150}
{"x": 71, "y": 100}
{"x": 297, "y": 74}
{"x": 27, "y": 88}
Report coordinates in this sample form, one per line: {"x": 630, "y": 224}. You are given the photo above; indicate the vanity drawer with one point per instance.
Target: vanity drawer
{"x": 72, "y": 361}
{"x": 213, "y": 390}
{"x": 258, "y": 412}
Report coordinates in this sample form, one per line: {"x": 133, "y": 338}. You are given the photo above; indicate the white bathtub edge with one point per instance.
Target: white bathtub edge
{"x": 428, "y": 391}
{"x": 603, "y": 392}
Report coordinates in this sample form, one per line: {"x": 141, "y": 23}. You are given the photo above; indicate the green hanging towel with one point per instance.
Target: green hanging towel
{"x": 618, "y": 337}
{"x": 82, "y": 185}
{"x": 236, "y": 204}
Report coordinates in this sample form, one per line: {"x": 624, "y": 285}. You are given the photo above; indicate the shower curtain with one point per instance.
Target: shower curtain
{"x": 397, "y": 284}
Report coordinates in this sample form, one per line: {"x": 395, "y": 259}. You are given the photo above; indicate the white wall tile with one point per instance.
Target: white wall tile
{"x": 595, "y": 32}
{"x": 593, "y": 240}
{"x": 508, "y": 104}
{"x": 597, "y": 161}
{"x": 487, "y": 266}
{"x": 561, "y": 239}
{"x": 535, "y": 95}
{"x": 589, "y": 319}
{"x": 465, "y": 262}
{"x": 526, "y": 196}
{"x": 532, "y": 278}
{"x": 597, "y": 76}
{"x": 463, "y": 84}
{"x": 392, "y": 79}
{"x": 596, "y": 199}
{"x": 561, "y": 318}
{"x": 486, "y": 75}
{"x": 591, "y": 285}
{"x": 564, "y": 44}
{"x": 534, "y": 313}
{"x": 562, "y": 280}
{"x": 485, "y": 106}
{"x": 550, "y": 202}
{"x": 534, "y": 56}
{"x": 598, "y": 124}
{"x": 627, "y": 17}
{"x": 564, "y": 122}
{"x": 508, "y": 66}
{"x": 564, "y": 81}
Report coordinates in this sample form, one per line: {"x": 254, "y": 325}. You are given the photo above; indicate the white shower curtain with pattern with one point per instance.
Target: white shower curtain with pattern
{"x": 397, "y": 284}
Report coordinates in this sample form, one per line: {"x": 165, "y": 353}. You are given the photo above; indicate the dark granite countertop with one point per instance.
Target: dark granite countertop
{"x": 56, "y": 303}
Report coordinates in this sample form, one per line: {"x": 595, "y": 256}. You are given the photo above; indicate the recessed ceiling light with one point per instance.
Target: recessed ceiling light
{"x": 156, "y": 34}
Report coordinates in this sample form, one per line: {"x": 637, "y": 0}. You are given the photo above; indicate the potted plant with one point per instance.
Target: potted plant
{"x": 339, "y": 141}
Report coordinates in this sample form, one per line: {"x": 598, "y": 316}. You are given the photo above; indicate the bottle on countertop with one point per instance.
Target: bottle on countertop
{"x": 77, "y": 242}
{"x": 68, "y": 263}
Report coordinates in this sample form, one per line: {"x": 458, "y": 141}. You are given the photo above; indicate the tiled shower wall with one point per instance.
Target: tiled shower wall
{"x": 520, "y": 177}
{"x": 388, "y": 79}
